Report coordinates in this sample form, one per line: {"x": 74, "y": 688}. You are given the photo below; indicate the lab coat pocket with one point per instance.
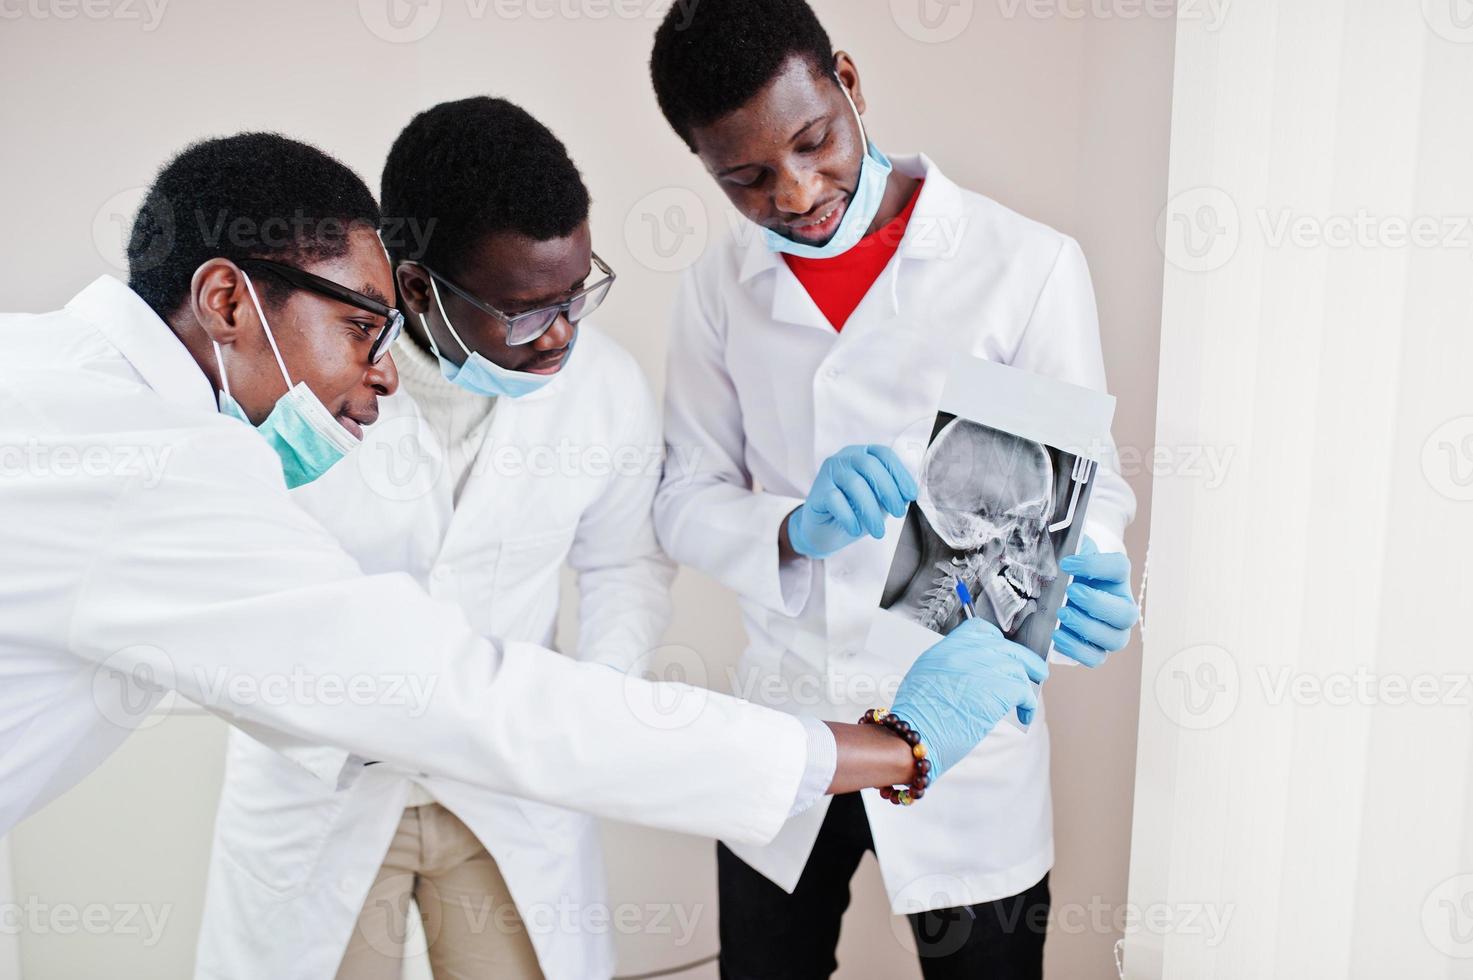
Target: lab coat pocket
{"x": 275, "y": 817}
{"x": 522, "y": 588}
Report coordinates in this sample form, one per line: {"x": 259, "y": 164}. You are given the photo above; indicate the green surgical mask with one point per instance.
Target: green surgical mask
{"x": 304, "y": 434}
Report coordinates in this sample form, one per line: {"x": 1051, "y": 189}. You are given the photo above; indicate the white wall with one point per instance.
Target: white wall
{"x": 1063, "y": 117}
{"x": 1305, "y": 738}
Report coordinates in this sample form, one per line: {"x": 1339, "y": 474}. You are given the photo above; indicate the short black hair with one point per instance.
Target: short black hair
{"x": 466, "y": 169}
{"x": 259, "y": 195}
{"x": 712, "y": 56}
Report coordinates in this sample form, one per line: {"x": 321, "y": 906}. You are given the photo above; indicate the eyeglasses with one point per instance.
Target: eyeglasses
{"x": 393, "y": 319}
{"x": 523, "y": 328}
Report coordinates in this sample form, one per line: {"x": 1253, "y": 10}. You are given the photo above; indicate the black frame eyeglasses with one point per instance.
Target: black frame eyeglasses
{"x": 302, "y": 279}
{"x": 523, "y": 328}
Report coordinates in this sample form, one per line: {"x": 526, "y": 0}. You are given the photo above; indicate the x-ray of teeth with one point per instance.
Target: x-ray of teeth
{"x": 995, "y": 511}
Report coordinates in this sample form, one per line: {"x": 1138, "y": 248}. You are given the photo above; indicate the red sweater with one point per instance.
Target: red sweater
{"x": 838, "y": 284}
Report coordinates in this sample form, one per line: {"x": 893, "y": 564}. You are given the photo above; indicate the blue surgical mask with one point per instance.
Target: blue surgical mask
{"x": 864, "y": 204}
{"x": 304, "y": 434}
{"x": 478, "y": 374}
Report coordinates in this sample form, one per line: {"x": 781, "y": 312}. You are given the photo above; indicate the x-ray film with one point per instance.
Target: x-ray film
{"x": 1005, "y": 481}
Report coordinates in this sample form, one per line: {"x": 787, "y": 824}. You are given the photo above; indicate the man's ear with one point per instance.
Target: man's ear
{"x": 414, "y": 286}
{"x": 848, "y": 74}
{"x": 218, "y": 299}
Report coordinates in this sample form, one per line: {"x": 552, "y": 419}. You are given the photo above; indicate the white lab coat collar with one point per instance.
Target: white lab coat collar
{"x": 932, "y": 232}
{"x": 145, "y": 340}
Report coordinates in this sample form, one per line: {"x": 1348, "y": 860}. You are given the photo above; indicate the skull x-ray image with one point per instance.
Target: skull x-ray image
{"x": 995, "y": 511}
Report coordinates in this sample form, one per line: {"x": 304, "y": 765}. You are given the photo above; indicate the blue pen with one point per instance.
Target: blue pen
{"x": 969, "y": 611}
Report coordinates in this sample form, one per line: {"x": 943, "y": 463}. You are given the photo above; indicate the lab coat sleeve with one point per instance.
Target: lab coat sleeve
{"x": 1062, "y": 340}
{"x": 708, "y": 513}
{"x": 234, "y": 596}
{"x": 623, "y": 577}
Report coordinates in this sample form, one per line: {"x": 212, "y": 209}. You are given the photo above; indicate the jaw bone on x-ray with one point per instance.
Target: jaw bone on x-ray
{"x": 983, "y": 517}
{"x": 993, "y": 512}
{"x": 1000, "y": 503}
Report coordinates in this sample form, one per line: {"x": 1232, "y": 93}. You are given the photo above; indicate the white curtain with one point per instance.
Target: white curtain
{"x": 1304, "y": 793}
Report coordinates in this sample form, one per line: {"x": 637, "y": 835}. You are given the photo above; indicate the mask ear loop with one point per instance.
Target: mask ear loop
{"x": 863, "y": 136}
{"x": 450, "y": 326}
{"x": 267, "y": 328}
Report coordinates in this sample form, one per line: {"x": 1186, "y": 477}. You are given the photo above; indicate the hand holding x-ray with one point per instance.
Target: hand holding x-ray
{"x": 1004, "y": 484}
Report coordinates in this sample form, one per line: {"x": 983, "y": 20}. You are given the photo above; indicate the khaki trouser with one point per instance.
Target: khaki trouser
{"x": 472, "y": 927}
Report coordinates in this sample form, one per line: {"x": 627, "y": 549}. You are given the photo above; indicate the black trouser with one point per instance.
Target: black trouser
{"x": 767, "y": 934}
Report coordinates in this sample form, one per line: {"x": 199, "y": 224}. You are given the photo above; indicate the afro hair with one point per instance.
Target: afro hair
{"x": 467, "y": 169}
{"x": 711, "y": 56}
{"x": 258, "y": 195}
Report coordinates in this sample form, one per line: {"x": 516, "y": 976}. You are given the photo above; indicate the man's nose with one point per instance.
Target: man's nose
{"x": 558, "y": 336}
{"x": 796, "y": 191}
{"x": 383, "y": 377}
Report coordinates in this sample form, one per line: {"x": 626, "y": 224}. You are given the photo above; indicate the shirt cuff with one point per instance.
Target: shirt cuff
{"x": 823, "y": 761}
{"x": 794, "y": 575}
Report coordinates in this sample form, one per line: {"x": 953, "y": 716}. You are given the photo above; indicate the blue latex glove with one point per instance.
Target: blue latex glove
{"x": 1096, "y": 620}
{"x": 854, "y": 489}
{"x": 960, "y": 688}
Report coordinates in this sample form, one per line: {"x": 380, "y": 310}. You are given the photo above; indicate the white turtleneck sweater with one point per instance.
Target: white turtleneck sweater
{"x": 456, "y": 416}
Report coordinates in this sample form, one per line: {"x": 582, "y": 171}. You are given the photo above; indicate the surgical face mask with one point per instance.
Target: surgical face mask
{"x": 304, "y": 434}
{"x": 478, "y": 374}
{"x": 864, "y": 204}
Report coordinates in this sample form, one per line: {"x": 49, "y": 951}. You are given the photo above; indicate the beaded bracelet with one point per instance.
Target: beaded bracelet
{"x": 908, "y": 794}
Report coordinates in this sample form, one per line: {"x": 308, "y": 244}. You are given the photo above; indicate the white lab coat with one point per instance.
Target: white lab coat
{"x": 565, "y": 474}
{"x": 202, "y": 574}
{"x": 761, "y": 389}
